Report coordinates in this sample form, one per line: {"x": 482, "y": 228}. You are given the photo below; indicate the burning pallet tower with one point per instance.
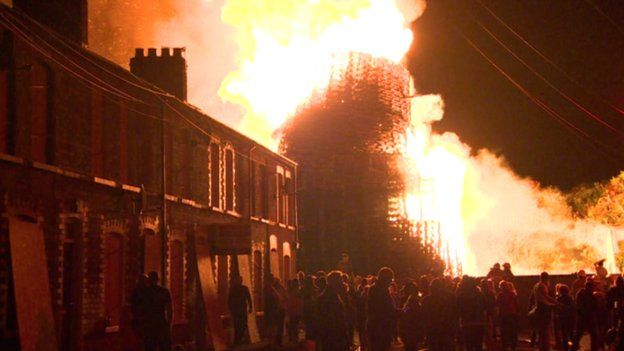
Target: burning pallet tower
{"x": 346, "y": 140}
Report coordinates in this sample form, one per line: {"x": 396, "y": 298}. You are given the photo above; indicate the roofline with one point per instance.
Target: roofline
{"x": 151, "y": 86}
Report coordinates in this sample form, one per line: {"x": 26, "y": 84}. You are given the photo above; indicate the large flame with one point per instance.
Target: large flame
{"x": 286, "y": 50}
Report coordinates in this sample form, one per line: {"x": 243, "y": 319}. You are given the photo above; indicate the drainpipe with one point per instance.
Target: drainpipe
{"x": 163, "y": 208}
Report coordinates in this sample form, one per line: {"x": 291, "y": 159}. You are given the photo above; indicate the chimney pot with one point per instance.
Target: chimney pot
{"x": 164, "y": 71}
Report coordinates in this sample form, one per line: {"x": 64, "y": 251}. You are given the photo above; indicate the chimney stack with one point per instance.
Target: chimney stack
{"x": 167, "y": 71}
{"x": 66, "y": 17}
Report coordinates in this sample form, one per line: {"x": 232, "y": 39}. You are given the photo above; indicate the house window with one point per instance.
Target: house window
{"x": 229, "y": 180}
{"x": 111, "y": 140}
{"x": 289, "y": 186}
{"x": 4, "y": 110}
{"x": 215, "y": 175}
{"x": 258, "y": 176}
{"x": 287, "y": 255}
{"x": 177, "y": 280}
{"x": 264, "y": 191}
{"x": 279, "y": 194}
{"x": 274, "y": 256}
{"x": 113, "y": 277}
{"x": 39, "y": 86}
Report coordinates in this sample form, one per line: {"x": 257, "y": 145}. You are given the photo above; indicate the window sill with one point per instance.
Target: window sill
{"x": 112, "y": 329}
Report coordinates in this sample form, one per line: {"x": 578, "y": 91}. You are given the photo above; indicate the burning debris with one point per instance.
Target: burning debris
{"x": 349, "y": 140}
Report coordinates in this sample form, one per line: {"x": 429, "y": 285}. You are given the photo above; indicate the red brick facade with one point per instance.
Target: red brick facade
{"x": 79, "y": 138}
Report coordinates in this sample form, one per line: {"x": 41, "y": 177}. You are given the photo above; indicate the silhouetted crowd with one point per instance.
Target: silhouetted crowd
{"x": 592, "y": 306}
{"x": 342, "y": 311}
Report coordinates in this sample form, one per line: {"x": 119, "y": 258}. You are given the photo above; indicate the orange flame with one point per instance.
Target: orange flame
{"x": 286, "y": 50}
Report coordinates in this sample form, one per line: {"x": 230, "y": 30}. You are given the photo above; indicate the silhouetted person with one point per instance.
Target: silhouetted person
{"x": 543, "y": 311}
{"x": 239, "y": 303}
{"x": 489, "y": 299}
{"x": 333, "y": 332}
{"x": 508, "y": 307}
{"x": 158, "y": 316}
{"x": 586, "y": 316}
{"x": 564, "y": 316}
{"x": 410, "y": 323}
{"x": 309, "y": 294}
{"x": 273, "y": 311}
{"x": 137, "y": 303}
{"x": 344, "y": 265}
{"x": 601, "y": 278}
{"x": 495, "y": 273}
{"x": 472, "y": 313}
{"x": 507, "y": 273}
{"x": 440, "y": 308}
{"x": 294, "y": 310}
{"x": 579, "y": 283}
{"x": 615, "y": 300}
{"x": 381, "y": 312}
{"x": 137, "y": 308}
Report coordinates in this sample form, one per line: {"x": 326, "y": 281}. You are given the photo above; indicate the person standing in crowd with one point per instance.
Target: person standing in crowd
{"x": 495, "y": 273}
{"x": 440, "y": 309}
{"x": 333, "y": 331}
{"x": 410, "y": 322}
{"x": 344, "y": 265}
{"x": 507, "y": 273}
{"x": 281, "y": 315}
{"x": 489, "y": 301}
{"x": 543, "y": 310}
{"x": 564, "y": 316}
{"x": 362, "y": 297}
{"x": 579, "y": 283}
{"x": 615, "y": 300}
{"x": 239, "y": 303}
{"x": 138, "y": 305}
{"x": 472, "y": 313}
{"x": 309, "y": 295}
{"x": 273, "y": 311}
{"x": 586, "y": 316}
{"x": 294, "y": 310}
{"x": 381, "y": 312}
{"x": 601, "y": 279}
{"x": 508, "y": 307}
{"x": 158, "y": 314}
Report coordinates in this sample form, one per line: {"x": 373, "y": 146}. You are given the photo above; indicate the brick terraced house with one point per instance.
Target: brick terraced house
{"x": 106, "y": 174}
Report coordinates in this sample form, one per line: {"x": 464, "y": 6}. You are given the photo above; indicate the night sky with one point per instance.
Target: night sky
{"x": 487, "y": 111}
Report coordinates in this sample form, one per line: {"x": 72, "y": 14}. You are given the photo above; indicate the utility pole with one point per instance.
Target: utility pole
{"x": 163, "y": 207}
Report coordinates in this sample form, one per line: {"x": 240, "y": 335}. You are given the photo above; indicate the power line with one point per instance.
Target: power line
{"x": 101, "y": 84}
{"x": 551, "y": 112}
{"x": 547, "y": 82}
{"x": 162, "y": 96}
{"x": 548, "y": 60}
{"x": 603, "y": 14}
